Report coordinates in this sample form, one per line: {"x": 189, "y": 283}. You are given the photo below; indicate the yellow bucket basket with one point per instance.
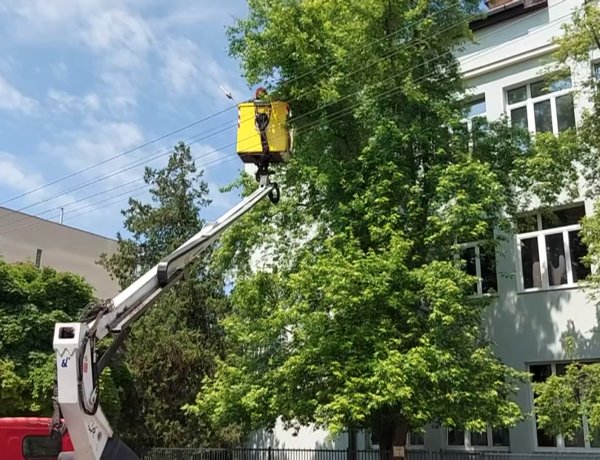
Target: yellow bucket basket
{"x": 249, "y": 145}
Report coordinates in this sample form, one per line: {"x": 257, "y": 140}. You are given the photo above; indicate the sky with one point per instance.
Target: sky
{"x": 84, "y": 82}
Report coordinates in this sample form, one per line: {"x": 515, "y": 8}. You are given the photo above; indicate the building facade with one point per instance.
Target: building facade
{"x": 46, "y": 243}
{"x": 533, "y": 278}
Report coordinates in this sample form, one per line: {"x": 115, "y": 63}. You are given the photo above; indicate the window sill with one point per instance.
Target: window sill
{"x": 574, "y": 450}
{"x": 478, "y": 448}
{"x": 487, "y": 295}
{"x": 561, "y": 287}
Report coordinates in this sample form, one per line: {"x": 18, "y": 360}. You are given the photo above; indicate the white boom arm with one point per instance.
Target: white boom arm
{"x": 78, "y": 368}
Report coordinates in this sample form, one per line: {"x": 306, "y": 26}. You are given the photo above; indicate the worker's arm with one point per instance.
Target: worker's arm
{"x": 78, "y": 367}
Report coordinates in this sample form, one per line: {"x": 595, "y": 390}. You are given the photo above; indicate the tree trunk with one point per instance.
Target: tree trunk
{"x": 391, "y": 431}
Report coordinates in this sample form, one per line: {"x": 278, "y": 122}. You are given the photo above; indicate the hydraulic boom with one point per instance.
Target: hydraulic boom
{"x": 78, "y": 366}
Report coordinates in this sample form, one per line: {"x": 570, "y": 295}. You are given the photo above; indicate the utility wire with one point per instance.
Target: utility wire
{"x": 286, "y": 82}
{"x": 322, "y": 107}
{"x": 127, "y": 152}
{"x": 213, "y": 115}
{"x": 93, "y": 205}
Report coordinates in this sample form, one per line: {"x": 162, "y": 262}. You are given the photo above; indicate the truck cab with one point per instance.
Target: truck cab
{"x": 28, "y": 438}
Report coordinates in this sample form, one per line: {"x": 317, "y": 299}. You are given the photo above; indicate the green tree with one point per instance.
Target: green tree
{"x": 174, "y": 345}
{"x": 359, "y": 314}
{"x": 32, "y": 300}
{"x": 562, "y": 401}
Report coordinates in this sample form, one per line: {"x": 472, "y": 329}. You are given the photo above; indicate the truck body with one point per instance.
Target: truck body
{"x": 28, "y": 438}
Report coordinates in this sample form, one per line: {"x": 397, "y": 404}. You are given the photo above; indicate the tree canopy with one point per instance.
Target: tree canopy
{"x": 563, "y": 401}
{"x": 32, "y": 300}
{"x": 174, "y": 345}
{"x": 351, "y": 308}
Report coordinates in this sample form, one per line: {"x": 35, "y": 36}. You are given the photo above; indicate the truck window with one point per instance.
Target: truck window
{"x": 40, "y": 447}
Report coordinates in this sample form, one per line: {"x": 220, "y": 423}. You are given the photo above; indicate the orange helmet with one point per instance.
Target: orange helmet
{"x": 260, "y": 92}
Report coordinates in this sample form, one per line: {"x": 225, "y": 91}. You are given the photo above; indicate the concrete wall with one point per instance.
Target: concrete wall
{"x": 63, "y": 248}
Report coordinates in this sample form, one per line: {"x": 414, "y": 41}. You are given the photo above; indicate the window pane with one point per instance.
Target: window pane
{"x": 540, "y": 372}
{"x": 417, "y": 438}
{"x": 595, "y": 438}
{"x": 468, "y": 255}
{"x": 518, "y": 117}
{"x": 479, "y": 439}
{"x": 517, "y": 95}
{"x": 577, "y": 441}
{"x": 489, "y": 281}
{"x": 557, "y": 265}
{"x": 527, "y": 223}
{"x": 561, "y": 368}
{"x": 565, "y": 112}
{"x": 563, "y": 217}
{"x": 578, "y": 251}
{"x": 544, "y": 439}
{"x": 456, "y": 437}
{"x": 477, "y": 107}
{"x": 543, "y": 116}
{"x": 530, "y": 262}
{"x": 597, "y": 71}
{"x": 539, "y": 88}
{"x": 500, "y": 437}
{"x": 559, "y": 85}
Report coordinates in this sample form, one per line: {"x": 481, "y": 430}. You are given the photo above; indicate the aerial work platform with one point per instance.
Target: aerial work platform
{"x": 263, "y": 132}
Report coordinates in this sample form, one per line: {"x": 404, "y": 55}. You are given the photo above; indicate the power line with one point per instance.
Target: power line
{"x": 94, "y": 205}
{"x": 301, "y": 116}
{"x": 195, "y": 123}
{"x": 286, "y": 82}
{"x": 127, "y": 152}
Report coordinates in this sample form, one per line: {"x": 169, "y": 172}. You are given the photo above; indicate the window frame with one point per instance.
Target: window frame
{"x": 530, "y": 102}
{"x": 560, "y": 440}
{"x": 412, "y": 446}
{"x": 540, "y": 236}
{"x": 477, "y": 246}
{"x": 467, "y": 446}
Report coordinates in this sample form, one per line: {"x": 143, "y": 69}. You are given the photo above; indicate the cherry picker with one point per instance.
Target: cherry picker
{"x": 263, "y": 139}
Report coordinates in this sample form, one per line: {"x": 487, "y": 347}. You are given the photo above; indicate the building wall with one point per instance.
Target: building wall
{"x": 63, "y": 248}
{"x": 526, "y": 327}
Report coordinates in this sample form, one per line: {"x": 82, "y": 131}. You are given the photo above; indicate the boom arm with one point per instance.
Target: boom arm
{"x": 78, "y": 369}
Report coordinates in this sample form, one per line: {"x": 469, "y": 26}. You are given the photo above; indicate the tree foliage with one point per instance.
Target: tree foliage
{"x": 32, "y": 300}
{"x": 562, "y": 401}
{"x": 357, "y": 313}
{"x": 174, "y": 345}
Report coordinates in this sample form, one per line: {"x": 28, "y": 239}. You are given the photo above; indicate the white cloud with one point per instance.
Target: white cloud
{"x": 16, "y": 176}
{"x": 100, "y": 141}
{"x": 12, "y": 100}
{"x": 122, "y": 37}
{"x": 188, "y": 70}
{"x": 59, "y": 70}
{"x": 181, "y": 65}
{"x": 66, "y": 103}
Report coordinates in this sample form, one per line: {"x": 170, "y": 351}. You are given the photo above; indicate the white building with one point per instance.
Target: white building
{"x": 534, "y": 279}
{"x": 26, "y": 238}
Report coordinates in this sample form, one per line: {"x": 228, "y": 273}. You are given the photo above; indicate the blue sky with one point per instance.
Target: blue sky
{"x": 82, "y": 81}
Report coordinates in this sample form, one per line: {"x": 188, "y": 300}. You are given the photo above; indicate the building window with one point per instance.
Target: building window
{"x": 542, "y": 106}
{"x": 38, "y": 258}
{"x": 416, "y": 439}
{"x": 541, "y": 372}
{"x": 596, "y": 70}
{"x": 550, "y": 250}
{"x": 480, "y": 262}
{"x": 491, "y": 438}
